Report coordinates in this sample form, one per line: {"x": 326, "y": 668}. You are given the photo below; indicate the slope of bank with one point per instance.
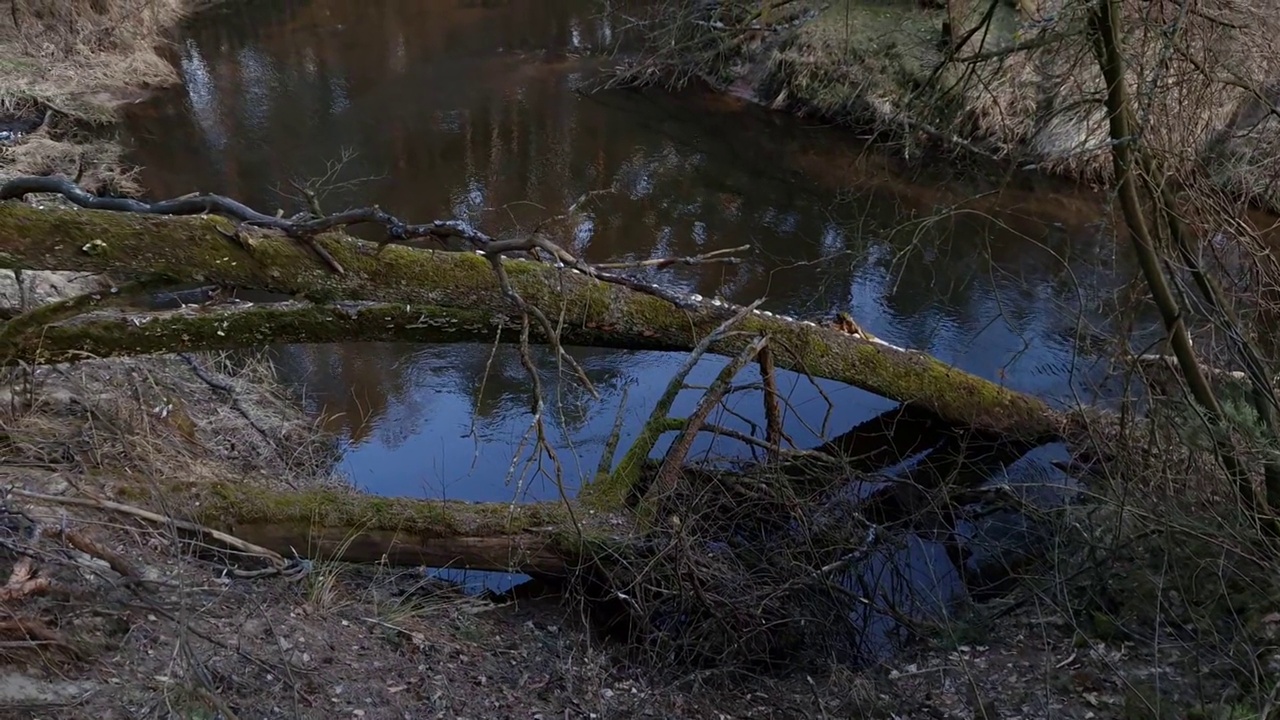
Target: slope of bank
{"x": 66, "y": 70}
{"x": 1021, "y": 86}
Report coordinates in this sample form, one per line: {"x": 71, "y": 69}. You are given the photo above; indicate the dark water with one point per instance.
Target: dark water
{"x": 471, "y": 109}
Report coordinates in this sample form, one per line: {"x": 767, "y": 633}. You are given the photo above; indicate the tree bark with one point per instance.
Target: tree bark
{"x": 544, "y": 539}
{"x": 412, "y": 294}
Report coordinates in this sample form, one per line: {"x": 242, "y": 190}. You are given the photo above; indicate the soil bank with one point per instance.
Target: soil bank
{"x": 1012, "y": 82}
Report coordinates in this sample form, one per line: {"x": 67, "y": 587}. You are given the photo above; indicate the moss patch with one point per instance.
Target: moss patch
{"x": 227, "y": 504}
{"x": 465, "y": 291}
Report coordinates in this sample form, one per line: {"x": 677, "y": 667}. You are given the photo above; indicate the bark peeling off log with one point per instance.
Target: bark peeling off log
{"x": 462, "y": 289}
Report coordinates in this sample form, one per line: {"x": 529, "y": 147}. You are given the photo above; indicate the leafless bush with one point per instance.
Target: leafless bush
{"x": 747, "y": 573}
{"x": 685, "y": 40}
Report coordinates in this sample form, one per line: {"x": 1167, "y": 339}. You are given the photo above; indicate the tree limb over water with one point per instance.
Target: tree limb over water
{"x": 403, "y": 293}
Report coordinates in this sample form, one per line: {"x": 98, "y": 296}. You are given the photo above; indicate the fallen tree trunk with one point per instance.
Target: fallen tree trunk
{"x": 544, "y": 539}
{"x": 450, "y": 296}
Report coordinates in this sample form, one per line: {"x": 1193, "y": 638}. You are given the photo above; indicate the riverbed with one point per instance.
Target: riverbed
{"x": 485, "y": 111}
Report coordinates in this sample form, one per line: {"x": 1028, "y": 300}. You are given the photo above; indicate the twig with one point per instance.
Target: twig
{"x": 715, "y": 256}
{"x": 29, "y": 629}
{"x": 225, "y": 388}
{"x": 552, "y": 336}
{"x": 755, "y": 441}
{"x": 231, "y": 541}
{"x": 772, "y": 408}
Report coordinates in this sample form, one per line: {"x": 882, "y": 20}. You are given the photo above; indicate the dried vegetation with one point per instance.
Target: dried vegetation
{"x": 1157, "y": 597}
{"x": 66, "y": 66}
{"x": 1020, "y": 87}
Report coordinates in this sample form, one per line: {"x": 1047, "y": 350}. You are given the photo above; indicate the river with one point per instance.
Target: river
{"x": 475, "y": 109}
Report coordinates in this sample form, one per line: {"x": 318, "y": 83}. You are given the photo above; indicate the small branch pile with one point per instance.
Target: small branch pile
{"x": 40, "y": 547}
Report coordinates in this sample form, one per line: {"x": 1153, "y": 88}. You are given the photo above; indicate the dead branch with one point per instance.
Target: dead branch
{"x": 23, "y": 581}
{"x": 82, "y": 542}
{"x": 773, "y": 433}
{"x": 669, "y": 472}
{"x": 229, "y": 391}
{"x": 612, "y": 490}
{"x": 274, "y": 558}
{"x": 33, "y": 630}
{"x": 307, "y": 227}
{"x": 722, "y": 256}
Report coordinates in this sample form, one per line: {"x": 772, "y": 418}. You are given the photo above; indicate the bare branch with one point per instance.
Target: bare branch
{"x": 670, "y": 470}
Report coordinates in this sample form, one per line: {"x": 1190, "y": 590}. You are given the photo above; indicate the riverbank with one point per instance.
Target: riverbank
{"x": 1021, "y": 88}
{"x": 136, "y": 621}
{"x": 120, "y": 618}
{"x": 67, "y": 69}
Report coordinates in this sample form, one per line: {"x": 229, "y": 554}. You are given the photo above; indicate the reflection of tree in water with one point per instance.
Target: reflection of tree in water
{"x": 384, "y": 390}
{"x": 461, "y": 109}
{"x": 507, "y": 387}
{"x": 355, "y": 385}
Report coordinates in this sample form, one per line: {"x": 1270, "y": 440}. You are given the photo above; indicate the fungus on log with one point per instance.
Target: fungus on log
{"x": 404, "y": 293}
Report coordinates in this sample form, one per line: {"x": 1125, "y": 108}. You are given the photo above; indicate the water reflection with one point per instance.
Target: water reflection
{"x": 470, "y": 109}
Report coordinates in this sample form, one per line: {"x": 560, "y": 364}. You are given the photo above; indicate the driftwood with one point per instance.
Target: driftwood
{"x": 411, "y": 294}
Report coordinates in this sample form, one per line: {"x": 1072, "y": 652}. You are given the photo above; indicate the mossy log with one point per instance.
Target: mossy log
{"x": 544, "y": 539}
{"x": 443, "y": 296}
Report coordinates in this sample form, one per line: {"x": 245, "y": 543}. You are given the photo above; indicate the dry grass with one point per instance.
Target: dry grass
{"x": 882, "y": 63}
{"x": 153, "y": 419}
{"x": 98, "y": 164}
{"x": 66, "y": 65}
{"x": 82, "y": 57}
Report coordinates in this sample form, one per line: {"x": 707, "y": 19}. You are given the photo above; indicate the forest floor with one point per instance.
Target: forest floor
{"x": 107, "y": 615}
{"x": 135, "y": 621}
{"x": 114, "y": 616}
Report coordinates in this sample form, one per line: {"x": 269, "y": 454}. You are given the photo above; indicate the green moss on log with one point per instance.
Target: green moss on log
{"x": 610, "y": 491}
{"x": 227, "y": 504}
{"x": 338, "y": 523}
{"x": 107, "y": 334}
{"x": 462, "y": 288}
